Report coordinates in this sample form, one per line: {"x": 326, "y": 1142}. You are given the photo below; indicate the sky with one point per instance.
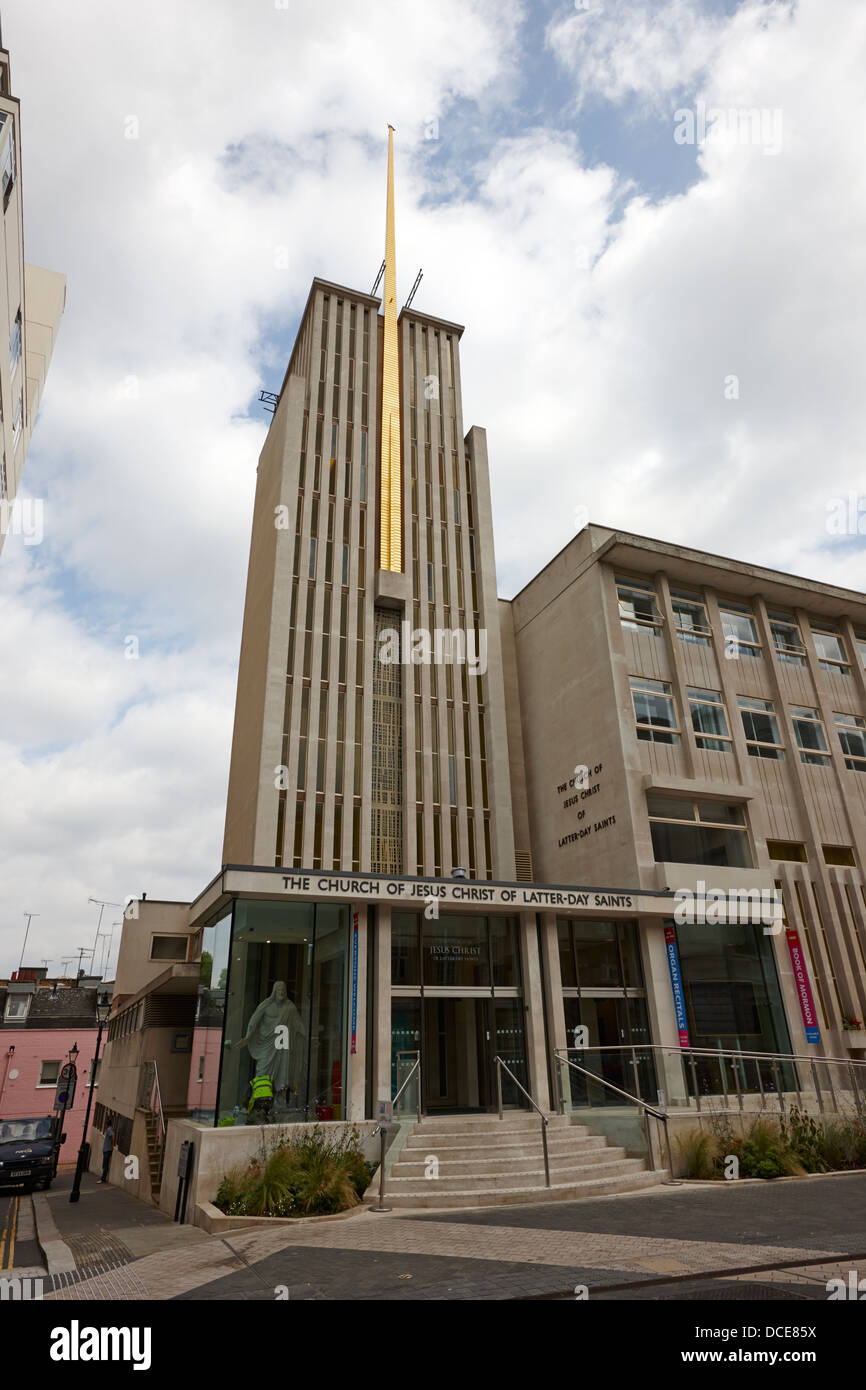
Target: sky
{"x": 664, "y": 313}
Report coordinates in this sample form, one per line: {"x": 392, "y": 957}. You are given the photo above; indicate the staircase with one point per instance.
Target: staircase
{"x": 155, "y": 1152}
{"x": 484, "y": 1161}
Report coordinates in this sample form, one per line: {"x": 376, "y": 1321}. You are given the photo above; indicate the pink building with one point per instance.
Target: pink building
{"x": 40, "y": 1022}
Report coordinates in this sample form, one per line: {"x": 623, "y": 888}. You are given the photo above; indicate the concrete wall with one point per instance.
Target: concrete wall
{"x": 219, "y": 1150}
{"x": 135, "y": 969}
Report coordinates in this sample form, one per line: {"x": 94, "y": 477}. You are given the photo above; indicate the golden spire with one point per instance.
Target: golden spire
{"x": 391, "y": 491}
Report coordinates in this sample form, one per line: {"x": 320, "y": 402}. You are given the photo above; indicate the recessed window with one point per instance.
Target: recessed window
{"x": 654, "y": 712}
{"x": 17, "y": 1007}
{"x": 17, "y": 419}
{"x": 788, "y": 850}
{"x": 638, "y": 608}
{"x": 7, "y": 156}
{"x": 839, "y": 854}
{"x": 861, "y": 647}
{"x": 761, "y": 728}
{"x": 787, "y": 639}
{"x": 690, "y": 618}
{"x": 709, "y": 720}
{"x": 830, "y": 647}
{"x": 811, "y": 739}
{"x": 15, "y": 345}
{"x": 168, "y": 948}
{"x": 698, "y": 832}
{"x": 49, "y": 1073}
{"x": 738, "y": 625}
{"x": 852, "y": 736}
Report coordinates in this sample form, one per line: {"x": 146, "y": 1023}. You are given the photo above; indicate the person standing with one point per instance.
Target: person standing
{"x": 107, "y": 1149}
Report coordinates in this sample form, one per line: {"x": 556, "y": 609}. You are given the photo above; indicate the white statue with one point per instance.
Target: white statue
{"x": 277, "y": 1040}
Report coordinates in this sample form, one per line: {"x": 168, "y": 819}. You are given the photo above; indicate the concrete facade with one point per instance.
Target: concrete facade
{"x": 32, "y": 301}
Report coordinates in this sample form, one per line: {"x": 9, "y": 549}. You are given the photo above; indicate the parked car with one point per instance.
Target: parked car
{"x": 29, "y": 1150}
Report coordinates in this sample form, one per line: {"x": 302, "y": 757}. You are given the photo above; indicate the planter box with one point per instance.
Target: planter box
{"x": 215, "y": 1222}
{"x": 855, "y": 1038}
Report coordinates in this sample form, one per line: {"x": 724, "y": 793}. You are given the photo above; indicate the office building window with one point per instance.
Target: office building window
{"x": 638, "y": 609}
{"x": 788, "y": 850}
{"x": 7, "y": 156}
{"x": 830, "y": 647}
{"x": 787, "y": 639}
{"x": 852, "y": 736}
{"x": 698, "y": 832}
{"x": 654, "y": 712}
{"x": 839, "y": 854}
{"x": 741, "y": 634}
{"x": 709, "y": 720}
{"x": 168, "y": 948}
{"x": 761, "y": 728}
{"x": 17, "y": 419}
{"x": 690, "y": 617}
{"x": 811, "y": 739}
{"x": 15, "y": 345}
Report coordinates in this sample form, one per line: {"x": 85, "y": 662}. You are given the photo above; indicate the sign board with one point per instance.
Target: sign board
{"x": 68, "y": 1072}
{"x": 677, "y": 985}
{"x": 184, "y": 1159}
{"x": 384, "y": 1112}
{"x": 65, "y": 1093}
{"x": 804, "y": 989}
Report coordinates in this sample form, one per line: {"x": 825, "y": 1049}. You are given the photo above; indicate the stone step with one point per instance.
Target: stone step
{"x": 531, "y": 1176}
{"x": 485, "y": 1153}
{"x": 486, "y": 1143}
{"x": 512, "y": 1119}
{"x": 491, "y": 1134}
{"x": 631, "y": 1181}
{"x": 528, "y": 1163}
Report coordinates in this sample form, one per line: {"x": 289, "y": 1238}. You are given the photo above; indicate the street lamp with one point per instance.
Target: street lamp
{"x": 103, "y": 1009}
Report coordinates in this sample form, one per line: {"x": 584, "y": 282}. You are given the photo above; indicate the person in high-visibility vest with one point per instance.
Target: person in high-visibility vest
{"x": 261, "y": 1093}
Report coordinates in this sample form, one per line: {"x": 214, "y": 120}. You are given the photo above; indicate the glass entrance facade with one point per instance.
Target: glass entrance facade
{"x": 284, "y": 1049}
{"x": 605, "y": 1009}
{"x": 457, "y": 1000}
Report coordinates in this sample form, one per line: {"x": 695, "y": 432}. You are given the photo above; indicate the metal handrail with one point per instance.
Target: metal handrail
{"x": 660, "y": 1116}
{"x": 544, "y": 1119}
{"x": 688, "y": 1056}
{"x": 415, "y": 1067}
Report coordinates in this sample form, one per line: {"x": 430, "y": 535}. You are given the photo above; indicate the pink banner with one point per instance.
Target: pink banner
{"x": 804, "y": 989}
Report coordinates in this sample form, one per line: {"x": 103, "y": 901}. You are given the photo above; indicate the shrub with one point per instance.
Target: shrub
{"x": 310, "y": 1174}
{"x": 699, "y": 1152}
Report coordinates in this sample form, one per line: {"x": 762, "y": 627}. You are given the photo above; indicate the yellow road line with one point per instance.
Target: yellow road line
{"x": 3, "y": 1234}
{"x": 11, "y": 1264}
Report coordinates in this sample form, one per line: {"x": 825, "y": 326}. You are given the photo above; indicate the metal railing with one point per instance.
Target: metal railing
{"x": 502, "y": 1066}
{"x": 416, "y": 1067}
{"x": 784, "y": 1074}
{"x": 659, "y": 1115}
{"x": 150, "y": 1098}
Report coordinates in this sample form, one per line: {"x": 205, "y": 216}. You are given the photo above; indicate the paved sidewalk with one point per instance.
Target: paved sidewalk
{"x": 101, "y": 1234}
{"x": 778, "y": 1242}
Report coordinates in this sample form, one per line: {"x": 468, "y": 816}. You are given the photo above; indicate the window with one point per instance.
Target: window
{"x": 49, "y": 1073}
{"x": 7, "y": 156}
{"x": 168, "y": 948}
{"x": 861, "y": 647}
{"x": 16, "y": 420}
{"x": 638, "y": 610}
{"x": 654, "y": 711}
{"x": 698, "y": 832}
{"x": 852, "y": 736}
{"x": 787, "y": 639}
{"x": 93, "y": 1072}
{"x": 839, "y": 854}
{"x": 741, "y": 634}
{"x": 15, "y": 345}
{"x": 788, "y": 850}
{"x": 17, "y": 1007}
{"x": 831, "y": 650}
{"x": 709, "y": 720}
{"x": 762, "y": 728}
{"x": 690, "y": 617}
{"x": 811, "y": 739}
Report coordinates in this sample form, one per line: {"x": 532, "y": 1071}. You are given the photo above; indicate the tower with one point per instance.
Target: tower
{"x": 370, "y": 718}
